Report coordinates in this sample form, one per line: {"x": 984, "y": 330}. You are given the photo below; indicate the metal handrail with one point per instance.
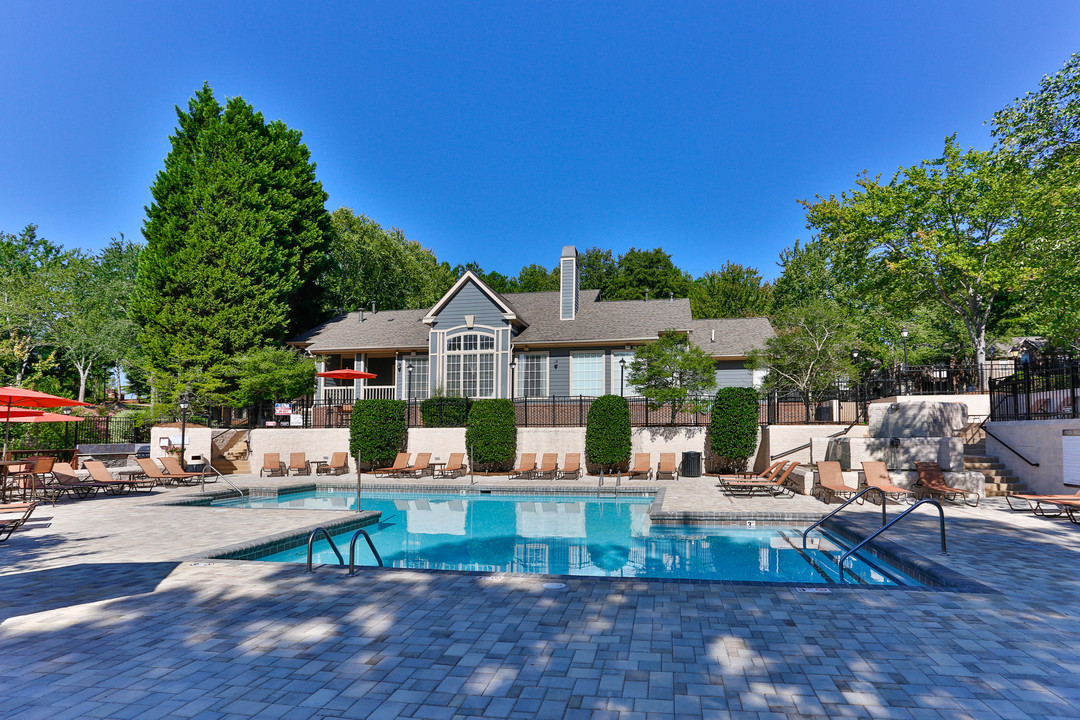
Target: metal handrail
{"x": 841, "y": 433}
{"x": 202, "y": 481}
{"x": 311, "y": 543}
{"x": 352, "y": 550}
{"x": 853, "y": 498}
{"x": 1009, "y": 448}
{"x": 898, "y": 518}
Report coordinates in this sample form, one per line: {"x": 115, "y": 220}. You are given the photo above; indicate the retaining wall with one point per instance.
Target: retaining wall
{"x": 1039, "y": 441}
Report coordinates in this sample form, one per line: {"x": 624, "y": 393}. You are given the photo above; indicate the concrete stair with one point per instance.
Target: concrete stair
{"x": 232, "y": 467}
{"x": 999, "y": 481}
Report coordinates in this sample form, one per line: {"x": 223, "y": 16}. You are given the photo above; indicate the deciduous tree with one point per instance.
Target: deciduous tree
{"x": 733, "y": 291}
{"x": 673, "y": 370}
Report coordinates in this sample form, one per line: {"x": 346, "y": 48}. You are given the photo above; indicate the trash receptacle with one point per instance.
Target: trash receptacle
{"x": 691, "y": 464}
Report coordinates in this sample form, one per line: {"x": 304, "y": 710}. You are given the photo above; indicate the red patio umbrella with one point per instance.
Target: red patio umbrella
{"x": 347, "y": 374}
{"x": 40, "y": 417}
{"x": 29, "y": 399}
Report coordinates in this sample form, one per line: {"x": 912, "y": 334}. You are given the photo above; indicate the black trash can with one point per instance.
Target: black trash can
{"x": 691, "y": 464}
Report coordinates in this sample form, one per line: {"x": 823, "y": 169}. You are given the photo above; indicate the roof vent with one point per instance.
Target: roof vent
{"x": 671, "y": 297}
{"x": 361, "y": 314}
{"x": 713, "y": 338}
{"x": 646, "y": 294}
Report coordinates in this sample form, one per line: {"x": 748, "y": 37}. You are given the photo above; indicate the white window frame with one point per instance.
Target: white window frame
{"x": 603, "y": 371}
{"x": 616, "y": 355}
{"x": 420, "y": 390}
{"x": 466, "y": 357}
{"x": 520, "y": 374}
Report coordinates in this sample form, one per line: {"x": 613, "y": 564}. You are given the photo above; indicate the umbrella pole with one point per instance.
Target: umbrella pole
{"x": 3, "y": 469}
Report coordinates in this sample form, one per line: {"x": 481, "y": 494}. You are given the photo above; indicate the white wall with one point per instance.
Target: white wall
{"x": 196, "y": 440}
{"x": 978, "y": 406}
{"x": 1038, "y": 441}
{"x": 780, "y": 438}
{"x": 440, "y": 442}
{"x": 317, "y": 444}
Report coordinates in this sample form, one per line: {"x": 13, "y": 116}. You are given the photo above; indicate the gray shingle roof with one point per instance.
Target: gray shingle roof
{"x": 735, "y": 337}
{"x": 384, "y": 330}
{"x": 596, "y": 321}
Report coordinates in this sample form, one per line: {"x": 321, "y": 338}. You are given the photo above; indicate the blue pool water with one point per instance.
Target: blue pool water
{"x": 573, "y": 535}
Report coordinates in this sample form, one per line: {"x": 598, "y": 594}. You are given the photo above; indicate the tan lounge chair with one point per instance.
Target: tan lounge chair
{"x": 421, "y": 467}
{"x": 272, "y": 466}
{"x": 932, "y": 483}
{"x": 642, "y": 467}
{"x": 667, "y": 469}
{"x": 37, "y": 467}
{"x": 778, "y": 481}
{"x": 68, "y": 481}
{"x": 549, "y": 467}
{"x": 1034, "y": 502}
{"x": 1070, "y": 506}
{"x": 172, "y": 466}
{"x": 298, "y": 464}
{"x": 400, "y": 463}
{"x": 13, "y": 515}
{"x": 571, "y": 469}
{"x": 454, "y": 468}
{"x": 153, "y": 472}
{"x": 338, "y": 465}
{"x": 877, "y": 475}
{"x": 767, "y": 474}
{"x": 100, "y": 474}
{"x": 830, "y": 482}
{"x": 525, "y": 468}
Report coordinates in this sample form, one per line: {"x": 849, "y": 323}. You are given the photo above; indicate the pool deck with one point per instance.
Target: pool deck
{"x": 101, "y": 617}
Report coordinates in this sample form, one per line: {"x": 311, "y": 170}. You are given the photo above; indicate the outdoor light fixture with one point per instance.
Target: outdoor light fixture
{"x": 555, "y": 364}
{"x": 185, "y": 403}
{"x": 408, "y": 381}
{"x": 903, "y": 379}
{"x": 622, "y": 371}
{"x": 513, "y": 364}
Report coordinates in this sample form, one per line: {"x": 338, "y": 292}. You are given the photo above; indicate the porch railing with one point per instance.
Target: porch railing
{"x": 379, "y": 392}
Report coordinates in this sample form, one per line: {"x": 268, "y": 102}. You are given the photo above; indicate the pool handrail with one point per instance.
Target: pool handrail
{"x": 853, "y": 498}
{"x": 352, "y": 550}
{"x": 898, "y": 518}
{"x": 220, "y": 475}
{"x": 311, "y": 543}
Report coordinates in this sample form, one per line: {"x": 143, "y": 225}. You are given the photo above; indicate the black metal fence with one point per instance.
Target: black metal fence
{"x": 1046, "y": 391}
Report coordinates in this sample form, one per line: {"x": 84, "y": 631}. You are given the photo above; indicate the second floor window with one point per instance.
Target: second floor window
{"x": 470, "y": 365}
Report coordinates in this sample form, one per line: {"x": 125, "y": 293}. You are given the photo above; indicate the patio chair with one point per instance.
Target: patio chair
{"x": 767, "y": 474}
{"x": 36, "y": 466}
{"x": 526, "y": 467}
{"x": 877, "y": 475}
{"x": 175, "y": 470}
{"x": 642, "y": 467}
{"x": 1034, "y": 502}
{"x": 153, "y": 472}
{"x": 454, "y": 468}
{"x": 12, "y": 516}
{"x": 932, "y": 483}
{"x": 100, "y": 474}
{"x": 400, "y": 463}
{"x": 67, "y": 481}
{"x": 298, "y": 464}
{"x": 338, "y": 465}
{"x": 571, "y": 469}
{"x": 830, "y": 482}
{"x": 667, "y": 469}
{"x": 750, "y": 486}
{"x": 1070, "y": 506}
{"x": 272, "y": 466}
{"x": 549, "y": 467}
{"x": 421, "y": 467}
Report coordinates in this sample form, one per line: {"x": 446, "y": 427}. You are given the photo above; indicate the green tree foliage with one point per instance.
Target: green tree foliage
{"x": 442, "y": 411}
{"x": 733, "y": 291}
{"x": 607, "y": 432}
{"x": 733, "y": 427}
{"x": 673, "y": 371}
{"x": 647, "y": 271}
{"x": 948, "y": 230}
{"x": 811, "y": 350}
{"x": 377, "y": 430}
{"x": 237, "y": 240}
{"x": 537, "y": 278}
{"x": 1041, "y": 132}
{"x": 598, "y": 270}
{"x": 491, "y": 434}
{"x": 271, "y": 374}
{"x": 372, "y": 265}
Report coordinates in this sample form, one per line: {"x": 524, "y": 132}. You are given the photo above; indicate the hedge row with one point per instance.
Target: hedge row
{"x": 377, "y": 430}
{"x": 607, "y": 432}
{"x": 733, "y": 427}
{"x": 491, "y": 435}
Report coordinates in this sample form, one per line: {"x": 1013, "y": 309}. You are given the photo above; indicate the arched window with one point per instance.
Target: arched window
{"x": 470, "y": 365}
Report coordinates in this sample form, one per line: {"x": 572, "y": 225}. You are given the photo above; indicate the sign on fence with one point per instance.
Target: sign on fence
{"x": 283, "y": 408}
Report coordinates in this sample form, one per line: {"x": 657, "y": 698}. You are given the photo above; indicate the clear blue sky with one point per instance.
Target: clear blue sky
{"x": 499, "y": 133}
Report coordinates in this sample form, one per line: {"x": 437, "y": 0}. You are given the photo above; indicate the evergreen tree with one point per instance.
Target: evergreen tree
{"x": 237, "y": 240}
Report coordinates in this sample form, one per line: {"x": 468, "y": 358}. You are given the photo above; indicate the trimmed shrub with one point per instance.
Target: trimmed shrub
{"x": 445, "y": 411}
{"x": 491, "y": 434}
{"x": 377, "y": 431}
{"x": 607, "y": 432}
{"x": 733, "y": 427}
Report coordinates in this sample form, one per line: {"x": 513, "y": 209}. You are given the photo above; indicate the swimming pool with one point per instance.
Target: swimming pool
{"x": 575, "y": 535}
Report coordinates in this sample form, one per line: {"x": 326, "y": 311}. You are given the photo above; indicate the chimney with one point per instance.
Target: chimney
{"x": 569, "y": 283}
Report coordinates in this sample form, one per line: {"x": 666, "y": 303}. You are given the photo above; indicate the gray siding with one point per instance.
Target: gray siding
{"x": 470, "y": 300}
{"x": 567, "y": 294}
{"x": 559, "y": 377}
{"x": 733, "y": 373}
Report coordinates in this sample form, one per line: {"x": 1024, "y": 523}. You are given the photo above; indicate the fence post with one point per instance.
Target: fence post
{"x": 580, "y": 410}
{"x": 1073, "y": 369}
{"x": 1027, "y": 393}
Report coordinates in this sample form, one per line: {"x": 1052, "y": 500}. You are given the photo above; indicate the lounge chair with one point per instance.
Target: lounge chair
{"x": 767, "y": 474}
{"x": 37, "y": 467}
{"x": 1034, "y": 502}
{"x": 667, "y": 469}
{"x": 421, "y": 467}
{"x": 13, "y": 515}
{"x": 400, "y": 463}
{"x": 549, "y": 467}
{"x": 338, "y": 465}
{"x": 454, "y": 468}
{"x": 571, "y": 468}
{"x": 778, "y": 481}
{"x": 932, "y": 483}
{"x": 298, "y": 464}
{"x": 877, "y": 475}
{"x": 100, "y": 474}
{"x": 176, "y": 470}
{"x": 68, "y": 481}
{"x": 153, "y": 472}
{"x": 272, "y": 466}
{"x": 1070, "y": 506}
{"x": 526, "y": 467}
{"x": 642, "y": 467}
{"x": 830, "y": 482}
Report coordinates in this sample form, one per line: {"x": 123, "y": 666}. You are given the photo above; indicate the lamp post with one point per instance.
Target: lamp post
{"x": 903, "y": 369}
{"x": 622, "y": 372}
{"x": 185, "y": 403}
{"x": 408, "y": 381}
{"x": 855, "y": 363}
{"x": 513, "y": 366}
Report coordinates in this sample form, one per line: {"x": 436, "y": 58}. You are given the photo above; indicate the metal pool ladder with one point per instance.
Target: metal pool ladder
{"x": 223, "y": 477}
{"x": 852, "y": 499}
{"x": 333, "y": 546}
{"x": 898, "y": 518}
